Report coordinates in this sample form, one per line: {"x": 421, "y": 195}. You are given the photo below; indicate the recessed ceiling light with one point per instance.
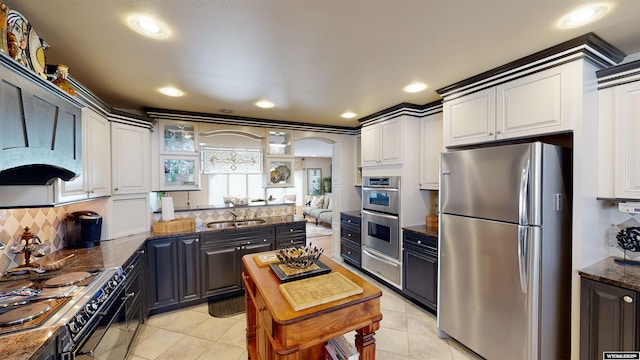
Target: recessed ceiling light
{"x": 348, "y": 115}
{"x": 171, "y": 91}
{"x": 415, "y": 87}
{"x": 584, "y": 15}
{"x": 148, "y": 26}
{"x": 265, "y": 104}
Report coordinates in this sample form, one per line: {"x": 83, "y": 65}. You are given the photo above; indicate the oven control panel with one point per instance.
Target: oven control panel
{"x": 95, "y": 304}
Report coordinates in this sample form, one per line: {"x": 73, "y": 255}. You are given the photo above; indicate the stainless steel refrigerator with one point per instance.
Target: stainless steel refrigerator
{"x": 505, "y": 261}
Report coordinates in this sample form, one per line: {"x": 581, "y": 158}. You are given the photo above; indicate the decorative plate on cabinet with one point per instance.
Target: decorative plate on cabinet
{"x": 36, "y": 53}
{"x": 19, "y": 26}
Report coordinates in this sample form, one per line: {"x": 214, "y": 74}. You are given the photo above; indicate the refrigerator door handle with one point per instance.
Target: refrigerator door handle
{"x": 523, "y": 203}
{"x": 523, "y": 256}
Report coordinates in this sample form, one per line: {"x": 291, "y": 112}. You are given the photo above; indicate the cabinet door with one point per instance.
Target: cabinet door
{"x": 189, "y": 267}
{"x": 163, "y": 272}
{"x": 608, "y": 319}
{"x": 430, "y": 148}
{"x": 390, "y": 142}
{"x": 370, "y": 137}
{"x": 470, "y": 119}
{"x": 178, "y": 137}
{"x": 627, "y": 141}
{"x": 98, "y": 148}
{"x": 130, "y": 148}
{"x": 535, "y": 104}
{"x": 221, "y": 269}
{"x": 130, "y": 215}
{"x": 95, "y": 179}
{"x": 420, "y": 280}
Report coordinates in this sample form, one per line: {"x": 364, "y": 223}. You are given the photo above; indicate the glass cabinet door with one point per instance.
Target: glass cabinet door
{"x": 280, "y": 143}
{"x": 180, "y": 173}
{"x": 178, "y": 137}
{"x": 279, "y": 173}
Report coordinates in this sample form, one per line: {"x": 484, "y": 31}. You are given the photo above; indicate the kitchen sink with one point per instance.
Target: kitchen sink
{"x": 221, "y": 224}
{"x": 225, "y": 224}
{"x": 249, "y": 222}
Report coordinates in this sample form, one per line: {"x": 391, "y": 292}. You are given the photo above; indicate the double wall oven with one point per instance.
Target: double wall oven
{"x": 381, "y": 227}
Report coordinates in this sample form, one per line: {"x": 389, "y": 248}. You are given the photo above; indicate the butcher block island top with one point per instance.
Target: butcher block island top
{"x": 276, "y": 331}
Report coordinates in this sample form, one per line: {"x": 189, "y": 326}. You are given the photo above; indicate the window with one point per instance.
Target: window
{"x": 236, "y": 188}
{"x": 235, "y": 175}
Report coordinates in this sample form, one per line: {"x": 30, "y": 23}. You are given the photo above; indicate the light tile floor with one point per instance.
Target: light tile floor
{"x": 407, "y": 332}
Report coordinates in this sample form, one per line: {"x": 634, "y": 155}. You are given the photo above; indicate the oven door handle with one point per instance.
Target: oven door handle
{"x": 377, "y": 214}
{"x": 115, "y": 314}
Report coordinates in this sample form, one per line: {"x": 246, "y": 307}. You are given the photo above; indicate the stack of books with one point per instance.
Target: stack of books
{"x": 339, "y": 348}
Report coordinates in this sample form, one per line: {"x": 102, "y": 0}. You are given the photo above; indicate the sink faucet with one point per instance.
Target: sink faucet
{"x": 234, "y": 214}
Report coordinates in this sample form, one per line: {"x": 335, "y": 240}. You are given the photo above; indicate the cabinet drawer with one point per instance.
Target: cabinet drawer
{"x": 292, "y": 229}
{"x": 421, "y": 242}
{"x": 291, "y": 242}
{"x": 232, "y": 235}
{"x": 290, "y": 235}
{"x": 348, "y": 233}
{"x": 350, "y": 252}
{"x": 351, "y": 221}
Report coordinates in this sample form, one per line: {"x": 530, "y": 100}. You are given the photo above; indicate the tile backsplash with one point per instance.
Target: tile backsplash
{"x": 46, "y": 223}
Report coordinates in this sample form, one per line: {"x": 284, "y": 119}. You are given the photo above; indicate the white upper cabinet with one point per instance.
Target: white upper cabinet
{"x": 279, "y": 143}
{"x": 540, "y": 103}
{"x": 95, "y": 180}
{"x": 430, "y": 148}
{"x": 470, "y": 119}
{"x": 178, "y": 137}
{"x": 627, "y": 141}
{"x": 131, "y": 156}
{"x": 178, "y": 158}
{"x": 382, "y": 143}
{"x": 619, "y": 138}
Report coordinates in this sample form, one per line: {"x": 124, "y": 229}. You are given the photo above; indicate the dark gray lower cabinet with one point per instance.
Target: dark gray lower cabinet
{"x": 182, "y": 269}
{"x": 221, "y": 256}
{"x": 174, "y": 270}
{"x": 420, "y": 268}
{"x": 608, "y": 319}
{"x": 291, "y": 235}
{"x": 350, "y": 239}
{"x": 189, "y": 265}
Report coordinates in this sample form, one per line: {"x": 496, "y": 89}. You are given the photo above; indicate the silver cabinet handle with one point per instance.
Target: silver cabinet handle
{"x": 628, "y": 299}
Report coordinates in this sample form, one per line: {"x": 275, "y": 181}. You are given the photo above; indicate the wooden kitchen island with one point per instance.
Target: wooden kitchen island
{"x": 275, "y": 331}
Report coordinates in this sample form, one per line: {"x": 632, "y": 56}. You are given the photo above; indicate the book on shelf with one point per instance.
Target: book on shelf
{"x": 339, "y": 348}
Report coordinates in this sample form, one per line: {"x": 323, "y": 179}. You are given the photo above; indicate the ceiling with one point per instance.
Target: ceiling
{"x": 313, "y": 59}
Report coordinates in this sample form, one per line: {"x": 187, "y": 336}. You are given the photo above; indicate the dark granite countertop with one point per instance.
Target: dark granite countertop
{"x": 607, "y": 271}
{"x": 422, "y": 230}
{"x": 109, "y": 254}
{"x": 354, "y": 213}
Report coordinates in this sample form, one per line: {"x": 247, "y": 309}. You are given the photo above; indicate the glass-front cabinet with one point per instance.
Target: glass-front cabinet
{"x": 280, "y": 143}
{"x": 178, "y": 137}
{"x": 179, "y": 172}
{"x": 279, "y": 172}
{"x": 179, "y": 155}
